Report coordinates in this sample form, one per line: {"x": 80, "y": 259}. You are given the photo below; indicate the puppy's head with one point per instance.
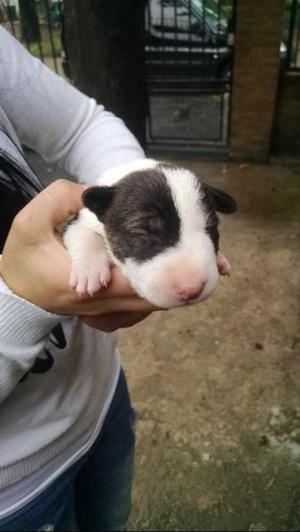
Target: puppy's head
{"x": 160, "y": 226}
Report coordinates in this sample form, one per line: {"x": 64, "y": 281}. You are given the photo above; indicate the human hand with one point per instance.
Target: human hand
{"x": 113, "y": 321}
{"x": 36, "y": 266}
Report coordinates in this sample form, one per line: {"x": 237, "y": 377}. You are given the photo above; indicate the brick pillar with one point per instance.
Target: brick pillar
{"x": 255, "y": 76}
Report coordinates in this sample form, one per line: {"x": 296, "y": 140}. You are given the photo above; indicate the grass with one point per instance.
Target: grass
{"x": 46, "y": 47}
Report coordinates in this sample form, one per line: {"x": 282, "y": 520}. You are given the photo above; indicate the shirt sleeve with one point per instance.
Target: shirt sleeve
{"x": 25, "y": 329}
{"x": 56, "y": 120}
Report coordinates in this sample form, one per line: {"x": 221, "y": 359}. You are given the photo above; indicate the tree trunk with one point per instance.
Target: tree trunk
{"x": 105, "y": 49}
{"x": 30, "y": 30}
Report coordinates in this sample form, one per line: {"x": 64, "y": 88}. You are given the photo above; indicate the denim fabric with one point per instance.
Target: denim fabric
{"x": 95, "y": 493}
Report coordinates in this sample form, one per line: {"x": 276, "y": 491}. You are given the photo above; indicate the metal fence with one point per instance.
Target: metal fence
{"x": 177, "y": 31}
{"x": 189, "y": 51}
{"x": 188, "y": 40}
{"x": 291, "y": 35}
{"x": 38, "y": 24}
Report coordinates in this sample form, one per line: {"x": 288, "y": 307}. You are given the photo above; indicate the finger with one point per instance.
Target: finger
{"x": 112, "y": 322}
{"x": 82, "y": 305}
{"x": 54, "y": 205}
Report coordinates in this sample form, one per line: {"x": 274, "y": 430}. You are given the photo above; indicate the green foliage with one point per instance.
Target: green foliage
{"x": 47, "y": 48}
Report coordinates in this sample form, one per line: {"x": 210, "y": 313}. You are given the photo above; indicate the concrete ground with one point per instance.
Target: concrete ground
{"x": 216, "y": 386}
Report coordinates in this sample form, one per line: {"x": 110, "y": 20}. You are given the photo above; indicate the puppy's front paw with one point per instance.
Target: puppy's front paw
{"x": 89, "y": 275}
{"x": 223, "y": 265}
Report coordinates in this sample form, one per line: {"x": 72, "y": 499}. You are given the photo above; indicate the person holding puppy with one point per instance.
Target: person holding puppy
{"x": 66, "y": 422}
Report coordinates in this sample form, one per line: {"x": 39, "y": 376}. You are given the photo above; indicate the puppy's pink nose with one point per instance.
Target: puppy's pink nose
{"x": 190, "y": 293}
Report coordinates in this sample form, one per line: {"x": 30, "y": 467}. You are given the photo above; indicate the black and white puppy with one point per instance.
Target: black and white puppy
{"x": 158, "y": 223}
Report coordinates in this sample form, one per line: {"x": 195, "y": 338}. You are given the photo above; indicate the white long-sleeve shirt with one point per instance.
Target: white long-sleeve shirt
{"x": 57, "y": 376}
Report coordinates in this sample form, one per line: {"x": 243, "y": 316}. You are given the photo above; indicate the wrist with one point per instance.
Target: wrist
{"x": 22, "y": 322}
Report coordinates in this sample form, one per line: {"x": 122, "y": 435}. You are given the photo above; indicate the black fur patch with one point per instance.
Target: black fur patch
{"x": 223, "y": 201}
{"x": 98, "y": 199}
{"x": 142, "y": 220}
{"x": 212, "y": 220}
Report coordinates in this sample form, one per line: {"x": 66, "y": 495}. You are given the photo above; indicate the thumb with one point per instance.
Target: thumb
{"x": 54, "y": 205}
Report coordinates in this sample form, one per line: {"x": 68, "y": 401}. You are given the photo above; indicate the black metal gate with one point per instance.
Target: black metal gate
{"x": 188, "y": 53}
{"x": 189, "y": 48}
{"x": 39, "y": 25}
{"x": 291, "y": 35}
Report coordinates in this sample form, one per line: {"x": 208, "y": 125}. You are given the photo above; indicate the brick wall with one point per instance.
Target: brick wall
{"x": 255, "y": 77}
{"x": 286, "y": 131}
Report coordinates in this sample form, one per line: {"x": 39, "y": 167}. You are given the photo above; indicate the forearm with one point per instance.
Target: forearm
{"x": 103, "y": 143}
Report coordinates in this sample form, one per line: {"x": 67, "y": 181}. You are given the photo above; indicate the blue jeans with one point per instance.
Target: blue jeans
{"x": 95, "y": 493}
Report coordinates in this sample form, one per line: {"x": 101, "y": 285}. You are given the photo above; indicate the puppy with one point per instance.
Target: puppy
{"x": 158, "y": 223}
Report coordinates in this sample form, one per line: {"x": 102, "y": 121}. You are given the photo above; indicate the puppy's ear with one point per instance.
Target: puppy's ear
{"x": 98, "y": 199}
{"x": 223, "y": 202}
